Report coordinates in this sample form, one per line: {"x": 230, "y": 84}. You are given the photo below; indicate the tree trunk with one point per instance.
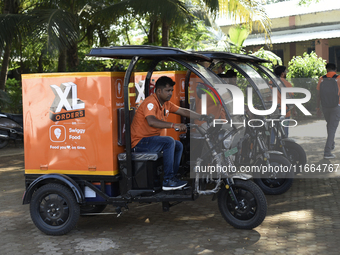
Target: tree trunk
{"x": 165, "y": 34}
{"x": 72, "y": 57}
{"x": 153, "y": 31}
{"x": 4, "y": 66}
{"x": 9, "y": 7}
{"x": 40, "y": 62}
{"x": 62, "y": 61}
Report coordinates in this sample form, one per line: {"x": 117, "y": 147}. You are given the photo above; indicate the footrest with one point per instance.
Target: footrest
{"x": 141, "y": 156}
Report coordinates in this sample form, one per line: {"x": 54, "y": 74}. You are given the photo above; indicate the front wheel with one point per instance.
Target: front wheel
{"x": 3, "y": 142}
{"x": 251, "y": 208}
{"x": 295, "y": 153}
{"x": 278, "y": 177}
{"x": 54, "y": 209}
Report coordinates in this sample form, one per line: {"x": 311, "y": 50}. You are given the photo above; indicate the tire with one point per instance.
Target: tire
{"x": 252, "y": 213}
{"x": 54, "y": 209}
{"x": 3, "y": 143}
{"x": 276, "y": 183}
{"x": 92, "y": 209}
{"x": 295, "y": 154}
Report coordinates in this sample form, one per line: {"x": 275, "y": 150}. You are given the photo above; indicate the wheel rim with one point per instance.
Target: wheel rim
{"x": 246, "y": 209}
{"x": 293, "y": 156}
{"x": 54, "y": 210}
{"x": 273, "y": 183}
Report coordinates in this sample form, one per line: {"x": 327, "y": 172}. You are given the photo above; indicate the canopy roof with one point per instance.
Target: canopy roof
{"x": 146, "y": 52}
{"x": 232, "y": 56}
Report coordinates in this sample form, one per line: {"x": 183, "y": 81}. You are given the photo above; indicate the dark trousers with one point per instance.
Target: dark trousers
{"x": 172, "y": 152}
{"x": 332, "y": 117}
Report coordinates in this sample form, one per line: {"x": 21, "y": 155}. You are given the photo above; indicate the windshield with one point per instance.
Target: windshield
{"x": 261, "y": 85}
{"x": 276, "y": 81}
{"x": 224, "y": 95}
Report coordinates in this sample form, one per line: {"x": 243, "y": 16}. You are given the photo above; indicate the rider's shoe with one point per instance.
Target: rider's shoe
{"x": 173, "y": 184}
{"x": 328, "y": 156}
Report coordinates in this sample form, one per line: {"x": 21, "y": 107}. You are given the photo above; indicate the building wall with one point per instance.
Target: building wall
{"x": 320, "y": 18}
{"x": 328, "y": 49}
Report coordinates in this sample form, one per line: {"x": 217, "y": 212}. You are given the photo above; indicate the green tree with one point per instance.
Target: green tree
{"x": 159, "y": 13}
{"x": 249, "y": 12}
{"x": 236, "y": 36}
{"x": 272, "y": 57}
{"x": 9, "y": 31}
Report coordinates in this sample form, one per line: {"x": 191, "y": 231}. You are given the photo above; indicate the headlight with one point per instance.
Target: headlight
{"x": 228, "y": 141}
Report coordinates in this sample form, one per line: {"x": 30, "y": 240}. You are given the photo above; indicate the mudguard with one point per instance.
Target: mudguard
{"x": 54, "y": 178}
{"x": 288, "y": 140}
{"x": 275, "y": 152}
{"x": 242, "y": 176}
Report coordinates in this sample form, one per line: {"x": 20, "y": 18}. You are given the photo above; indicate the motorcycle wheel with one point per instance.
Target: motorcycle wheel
{"x": 276, "y": 183}
{"x": 254, "y": 205}
{"x": 295, "y": 153}
{"x": 3, "y": 143}
{"x": 54, "y": 209}
{"x": 92, "y": 209}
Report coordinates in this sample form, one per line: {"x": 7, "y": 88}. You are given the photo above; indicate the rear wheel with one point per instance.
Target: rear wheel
{"x": 251, "y": 209}
{"x": 295, "y": 153}
{"x": 54, "y": 209}
{"x": 275, "y": 180}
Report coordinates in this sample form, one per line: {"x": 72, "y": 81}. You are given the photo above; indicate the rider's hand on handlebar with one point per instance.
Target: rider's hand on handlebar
{"x": 180, "y": 127}
{"x": 208, "y": 118}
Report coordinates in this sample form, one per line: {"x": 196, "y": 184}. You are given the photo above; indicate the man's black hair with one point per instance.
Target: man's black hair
{"x": 278, "y": 70}
{"x": 163, "y": 81}
{"x": 231, "y": 74}
{"x": 330, "y": 67}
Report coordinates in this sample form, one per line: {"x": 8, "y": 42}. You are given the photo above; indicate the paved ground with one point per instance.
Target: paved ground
{"x": 304, "y": 220}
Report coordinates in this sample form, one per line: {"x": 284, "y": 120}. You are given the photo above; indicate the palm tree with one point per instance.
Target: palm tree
{"x": 167, "y": 13}
{"x": 247, "y": 12}
{"x": 164, "y": 13}
{"x": 9, "y": 29}
{"x": 54, "y": 25}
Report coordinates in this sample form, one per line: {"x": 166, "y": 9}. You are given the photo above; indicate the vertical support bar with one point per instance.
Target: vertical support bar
{"x": 187, "y": 85}
{"x": 148, "y": 76}
{"x": 127, "y": 121}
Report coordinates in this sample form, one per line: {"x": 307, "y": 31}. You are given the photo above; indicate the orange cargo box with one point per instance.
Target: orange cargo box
{"x": 70, "y": 122}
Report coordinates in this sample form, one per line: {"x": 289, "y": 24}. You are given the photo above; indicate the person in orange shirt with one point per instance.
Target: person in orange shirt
{"x": 328, "y": 95}
{"x": 148, "y": 122}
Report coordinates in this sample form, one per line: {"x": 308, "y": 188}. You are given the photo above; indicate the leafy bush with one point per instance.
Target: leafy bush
{"x": 304, "y": 72}
{"x": 14, "y": 93}
{"x": 4, "y": 101}
{"x": 265, "y": 54}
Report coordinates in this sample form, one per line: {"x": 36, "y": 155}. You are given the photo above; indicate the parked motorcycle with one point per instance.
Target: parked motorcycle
{"x": 290, "y": 149}
{"x": 11, "y": 128}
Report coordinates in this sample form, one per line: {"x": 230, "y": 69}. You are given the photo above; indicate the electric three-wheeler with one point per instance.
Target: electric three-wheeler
{"x": 78, "y": 156}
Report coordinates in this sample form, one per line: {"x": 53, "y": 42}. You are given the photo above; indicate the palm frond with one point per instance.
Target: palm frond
{"x": 9, "y": 27}
{"x": 174, "y": 11}
{"x": 247, "y": 11}
{"x": 60, "y": 27}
